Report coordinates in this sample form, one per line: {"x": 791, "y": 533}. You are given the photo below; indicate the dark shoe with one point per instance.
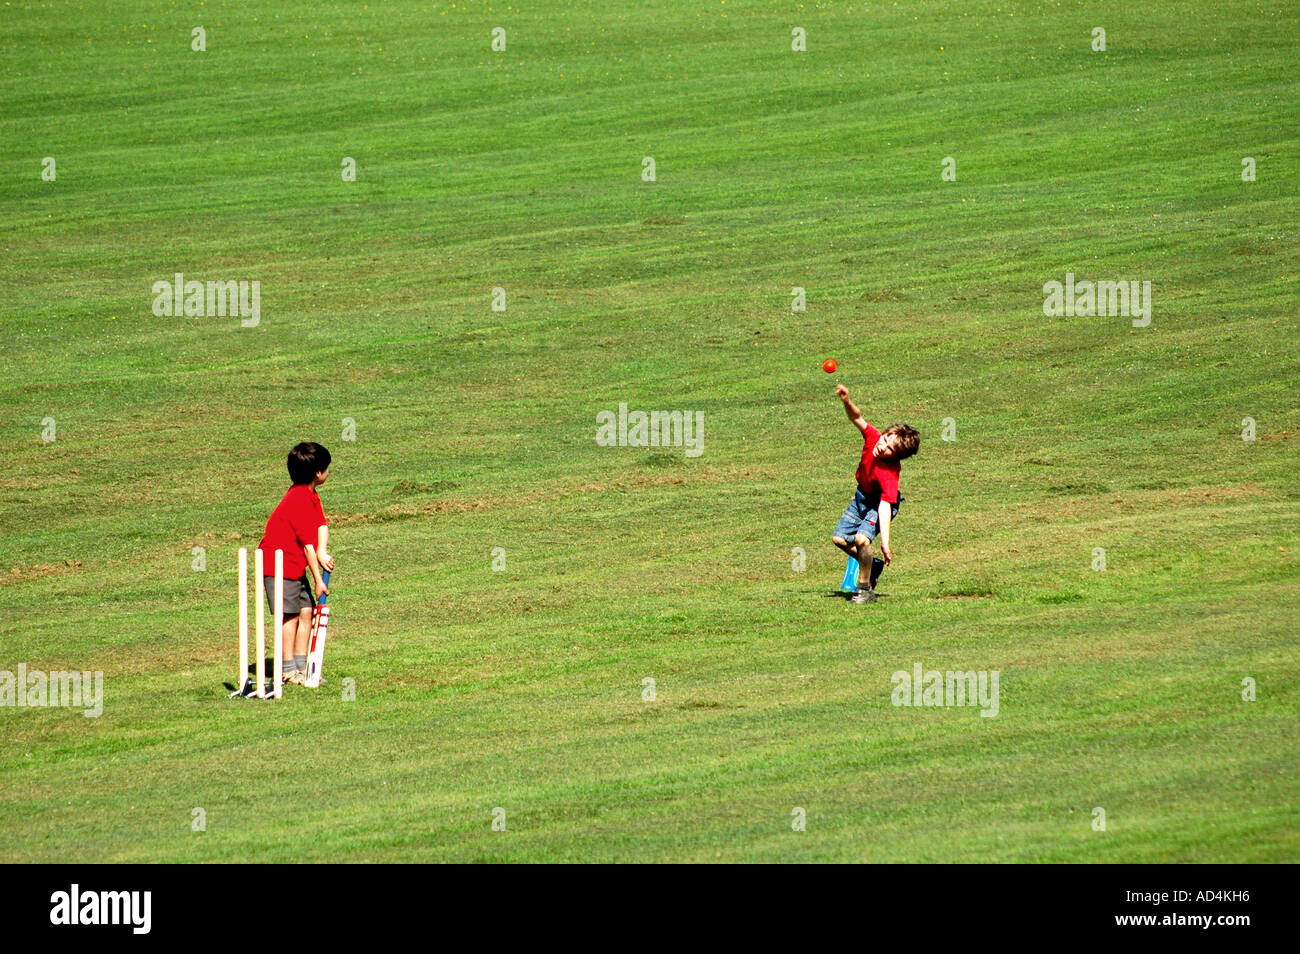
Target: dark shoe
{"x": 863, "y": 595}
{"x": 877, "y": 567}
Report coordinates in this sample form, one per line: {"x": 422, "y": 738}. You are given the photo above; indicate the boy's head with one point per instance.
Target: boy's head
{"x": 307, "y": 462}
{"x": 897, "y": 442}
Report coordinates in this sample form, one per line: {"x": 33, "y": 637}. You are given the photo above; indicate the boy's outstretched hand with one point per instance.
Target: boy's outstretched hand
{"x": 851, "y": 409}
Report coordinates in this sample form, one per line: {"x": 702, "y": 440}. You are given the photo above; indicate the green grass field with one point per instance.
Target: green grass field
{"x": 475, "y": 428}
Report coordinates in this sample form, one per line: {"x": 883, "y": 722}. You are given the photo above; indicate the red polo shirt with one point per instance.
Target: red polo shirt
{"x": 292, "y": 525}
{"x": 878, "y": 479}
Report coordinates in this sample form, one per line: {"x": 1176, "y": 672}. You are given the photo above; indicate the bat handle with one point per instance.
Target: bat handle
{"x": 325, "y": 575}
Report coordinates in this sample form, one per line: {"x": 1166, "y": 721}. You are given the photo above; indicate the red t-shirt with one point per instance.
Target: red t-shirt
{"x": 292, "y": 524}
{"x": 877, "y": 478}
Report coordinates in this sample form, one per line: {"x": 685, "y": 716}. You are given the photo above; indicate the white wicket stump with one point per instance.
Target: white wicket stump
{"x": 277, "y": 667}
{"x": 258, "y": 688}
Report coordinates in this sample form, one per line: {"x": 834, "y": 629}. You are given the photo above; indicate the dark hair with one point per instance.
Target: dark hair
{"x": 307, "y": 460}
{"x": 909, "y": 441}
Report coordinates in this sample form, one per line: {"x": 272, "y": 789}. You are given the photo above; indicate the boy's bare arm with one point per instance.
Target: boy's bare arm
{"x": 314, "y": 564}
{"x": 323, "y": 547}
{"x": 851, "y": 409}
{"x": 886, "y": 511}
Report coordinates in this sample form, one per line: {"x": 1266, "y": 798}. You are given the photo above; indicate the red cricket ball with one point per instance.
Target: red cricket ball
{"x": 829, "y": 365}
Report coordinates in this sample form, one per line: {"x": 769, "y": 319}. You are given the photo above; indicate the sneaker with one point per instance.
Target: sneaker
{"x": 863, "y": 595}
{"x": 295, "y": 678}
{"x": 877, "y": 567}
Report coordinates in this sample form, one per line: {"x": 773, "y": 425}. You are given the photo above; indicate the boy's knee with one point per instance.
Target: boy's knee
{"x": 861, "y": 540}
{"x": 839, "y": 541}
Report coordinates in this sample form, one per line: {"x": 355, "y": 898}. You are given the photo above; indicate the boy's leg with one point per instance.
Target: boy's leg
{"x": 877, "y": 564}
{"x": 290, "y": 630}
{"x": 291, "y": 616}
{"x": 862, "y": 537}
{"x": 857, "y": 547}
{"x": 842, "y": 535}
{"x": 852, "y": 568}
{"x": 864, "y": 592}
{"x": 298, "y": 619}
{"x": 877, "y": 567}
{"x": 870, "y": 564}
{"x": 302, "y": 631}
{"x": 294, "y": 660}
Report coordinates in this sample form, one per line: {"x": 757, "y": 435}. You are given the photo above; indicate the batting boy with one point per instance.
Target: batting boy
{"x": 877, "y": 483}
{"x": 298, "y": 527}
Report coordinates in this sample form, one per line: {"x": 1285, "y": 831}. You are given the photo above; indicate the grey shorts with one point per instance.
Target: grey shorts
{"x": 297, "y": 595}
{"x": 862, "y": 516}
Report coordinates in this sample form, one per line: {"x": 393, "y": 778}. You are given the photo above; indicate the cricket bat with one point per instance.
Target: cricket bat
{"x": 320, "y": 620}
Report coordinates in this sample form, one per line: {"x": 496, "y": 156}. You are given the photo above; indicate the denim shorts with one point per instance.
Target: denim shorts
{"x": 862, "y": 517}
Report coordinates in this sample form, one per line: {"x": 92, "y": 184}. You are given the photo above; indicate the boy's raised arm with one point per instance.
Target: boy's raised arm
{"x": 851, "y": 409}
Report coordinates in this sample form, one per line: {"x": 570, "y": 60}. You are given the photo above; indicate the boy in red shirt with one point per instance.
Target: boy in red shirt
{"x": 298, "y": 527}
{"x": 877, "y": 482}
